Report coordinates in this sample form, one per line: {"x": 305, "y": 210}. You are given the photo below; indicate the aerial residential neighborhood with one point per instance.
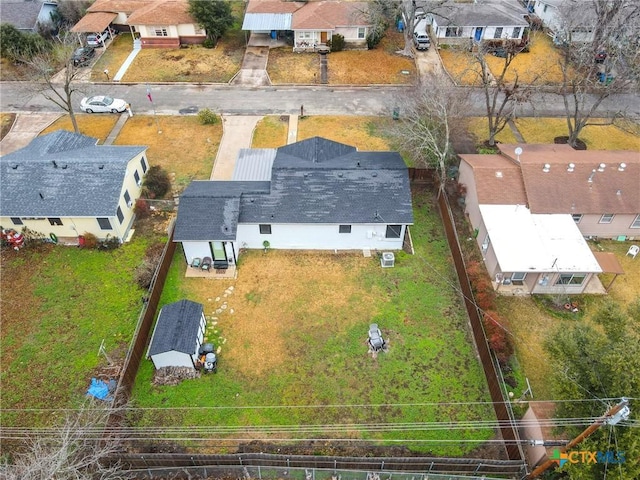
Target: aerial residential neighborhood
{"x": 330, "y": 238}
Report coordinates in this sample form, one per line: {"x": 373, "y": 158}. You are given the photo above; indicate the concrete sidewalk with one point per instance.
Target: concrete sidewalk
{"x": 25, "y": 128}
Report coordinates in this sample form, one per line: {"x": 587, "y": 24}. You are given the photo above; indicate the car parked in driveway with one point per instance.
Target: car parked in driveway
{"x": 103, "y": 104}
{"x": 98, "y": 39}
{"x": 82, "y": 56}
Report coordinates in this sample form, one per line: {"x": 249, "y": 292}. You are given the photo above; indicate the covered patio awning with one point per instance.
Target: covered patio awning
{"x": 609, "y": 264}
{"x": 94, "y": 22}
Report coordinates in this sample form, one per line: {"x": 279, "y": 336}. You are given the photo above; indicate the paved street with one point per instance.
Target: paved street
{"x": 317, "y": 100}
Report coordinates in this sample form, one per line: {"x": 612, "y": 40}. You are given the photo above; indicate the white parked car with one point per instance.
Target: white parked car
{"x": 98, "y": 39}
{"x": 103, "y": 104}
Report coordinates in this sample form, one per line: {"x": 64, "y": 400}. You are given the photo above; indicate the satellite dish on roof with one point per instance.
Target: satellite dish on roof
{"x": 518, "y": 152}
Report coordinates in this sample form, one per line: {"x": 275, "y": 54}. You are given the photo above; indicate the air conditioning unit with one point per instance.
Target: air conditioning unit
{"x": 388, "y": 260}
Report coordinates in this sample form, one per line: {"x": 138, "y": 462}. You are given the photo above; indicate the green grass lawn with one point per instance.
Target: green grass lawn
{"x": 326, "y": 377}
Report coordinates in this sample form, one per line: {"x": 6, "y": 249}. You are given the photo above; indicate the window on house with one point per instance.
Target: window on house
{"x": 544, "y": 10}
{"x": 159, "y": 32}
{"x": 304, "y": 35}
{"x": 498, "y": 33}
{"x": 127, "y": 197}
{"x": 55, "y": 221}
{"x": 104, "y": 223}
{"x": 16, "y": 221}
{"x": 576, "y": 217}
{"x": 571, "y": 279}
{"x": 344, "y": 229}
{"x": 607, "y": 218}
{"x": 120, "y": 215}
{"x": 265, "y": 229}
{"x": 453, "y": 32}
{"x": 517, "y": 278}
{"x": 636, "y": 222}
{"x": 393, "y": 231}
{"x": 361, "y": 32}
{"x": 143, "y": 163}
{"x": 516, "y": 32}
{"x": 136, "y": 176}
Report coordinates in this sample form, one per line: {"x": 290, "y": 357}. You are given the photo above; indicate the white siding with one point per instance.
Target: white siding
{"x": 172, "y": 359}
{"x": 195, "y": 250}
{"x": 319, "y": 237}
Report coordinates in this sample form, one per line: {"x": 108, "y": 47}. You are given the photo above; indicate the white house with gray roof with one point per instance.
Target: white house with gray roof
{"x": 456, "y": 23}
{"x": 318, "y": 195}
{"x": 178, "y": 335}
{"x": 63, "y": 185}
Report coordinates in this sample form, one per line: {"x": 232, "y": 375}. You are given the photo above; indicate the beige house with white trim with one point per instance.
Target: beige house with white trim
{"x": 63, "y": 185}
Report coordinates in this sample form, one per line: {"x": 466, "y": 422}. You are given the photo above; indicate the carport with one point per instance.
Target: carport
{"x": 609, "y": 264}
{"x": 94, "y": 22}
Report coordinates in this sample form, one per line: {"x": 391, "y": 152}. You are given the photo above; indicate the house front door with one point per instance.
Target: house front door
{"x": 323, "y": 37}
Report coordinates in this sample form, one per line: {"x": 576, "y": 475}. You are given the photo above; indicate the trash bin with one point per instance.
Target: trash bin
{"x": 396, "y": 113}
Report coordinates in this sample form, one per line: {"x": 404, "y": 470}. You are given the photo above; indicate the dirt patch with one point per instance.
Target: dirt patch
{"x": 6, "y": 120}
{"x": 580, "y": 145}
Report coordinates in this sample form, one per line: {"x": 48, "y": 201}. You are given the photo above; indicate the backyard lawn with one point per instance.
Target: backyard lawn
{"x": 293, "y": 350}
{"x": 271, "y": 132}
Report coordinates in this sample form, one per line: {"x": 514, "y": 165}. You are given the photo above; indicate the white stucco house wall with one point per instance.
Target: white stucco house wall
{"x": 315, "y": 194}
{"x": 63, "y": 185}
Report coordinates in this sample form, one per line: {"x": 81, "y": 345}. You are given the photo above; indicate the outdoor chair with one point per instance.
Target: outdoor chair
{"x": 633, "y": 250}
{"x": 195, "y": 263}
{"x": 206, "y": 263}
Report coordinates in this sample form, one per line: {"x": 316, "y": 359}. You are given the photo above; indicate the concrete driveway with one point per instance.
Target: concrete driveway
{"x": 254, "y": 67}
{"x": 26, "y": 127}
{"x": 237, "y": 132}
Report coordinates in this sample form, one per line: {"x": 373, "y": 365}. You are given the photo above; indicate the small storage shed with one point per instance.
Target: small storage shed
{"x": 178, "y": 334}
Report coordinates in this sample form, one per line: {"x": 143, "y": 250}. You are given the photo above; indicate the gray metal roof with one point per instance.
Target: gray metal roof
{"x": 312, "y": 181}
{"x": 267, "y": 21}
{"x": 254, "y": 164}
{"x": 489, "y": 13}
{"x": 64, "y": 174}
{"x": 177, "y": 328}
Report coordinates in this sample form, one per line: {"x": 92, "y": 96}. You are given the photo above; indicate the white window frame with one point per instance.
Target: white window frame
{"x": 570, "y": 278}
{"x": 577, "y": 217}
{"x": 362, "y": 32}
{"x": 485, "y": 243}
{"x": 607, "y": 218}
{"x": 636, "y": 222}
{"x": 159, "y": 31}
{"x": 517, "y": 278}
{"x": 516, "y": 32}
{"x": 498, "y": 32}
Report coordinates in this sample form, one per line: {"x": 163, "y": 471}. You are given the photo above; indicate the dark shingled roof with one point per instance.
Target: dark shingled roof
{"x": 22, "y": 14}
{"x": 177, "y": 328}
{"x": 64, "y": 174}
{"x": 313, "y": 181}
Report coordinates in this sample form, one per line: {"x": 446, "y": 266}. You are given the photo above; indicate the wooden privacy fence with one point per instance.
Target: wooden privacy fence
{"x": 507, "y": 424}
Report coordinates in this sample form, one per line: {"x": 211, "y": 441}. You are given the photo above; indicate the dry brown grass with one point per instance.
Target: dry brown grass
{"x": 360, "y": 132}
{"x": 6, "y": 122}
{"x": 271, "y": 298}
{"x": 346, "y": 67}
{"x": 97, "y": 125}
{"x": 284, "y": 66}
{"x": 271, "y": 132}
{"x": 538, "y": 66}
{"x": 478, "y": 128}
{"x": 187, "y": 156}
{"x": 190, "y": 64}
{"x": 603, "y": 136}
{"x": 113, "y": 57}
{"x": 9, "y": 71}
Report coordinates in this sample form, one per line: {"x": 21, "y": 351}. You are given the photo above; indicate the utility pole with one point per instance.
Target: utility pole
{"x": 614, "y": 415}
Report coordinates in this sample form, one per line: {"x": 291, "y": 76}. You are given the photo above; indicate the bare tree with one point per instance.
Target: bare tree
{"x": 75, "y": 449}
{"x": 600, "y": 57}
{"x": 430, "y": 119}
{"x": 53, "y": 75}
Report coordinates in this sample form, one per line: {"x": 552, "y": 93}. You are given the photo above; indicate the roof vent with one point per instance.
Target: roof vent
{"x": 15, "y": 167}
{"x": 546, "y": 168}
{"x": 593, "y": 174}
{"x": 374, "y": 174}
{"x": 498, "y": 174}
{"x": 64, "y": 167}
{"x": 357, "y": 164}
{"x": 101, "y": 167}
{"x": 601, "y": 167}
{"x": 340, "y": 174}
{"x": 621, "y": 167}
{"x": 571, "y": 167}
{"x": 619, "y": 192}
{"x": 55, "y": 164}
{"x": 41, "y": 196}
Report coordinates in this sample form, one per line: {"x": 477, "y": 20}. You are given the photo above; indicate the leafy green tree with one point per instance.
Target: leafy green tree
{"x": 214, "y": 16}
{"x": 16, "y": 45}
{"x": 599, "y": 361}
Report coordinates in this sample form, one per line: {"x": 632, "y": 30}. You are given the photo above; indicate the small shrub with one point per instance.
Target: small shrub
{"x": 207, "y": 117}
{"x": 156, "y": 182}
{"x": 208, "y": 43}
{"x": 497, "y": 337}
{"x": 109, "y": 243}
{"x": 337, "y": 43}
{"x": 146, "y": 270}
{"x": 373, "y": 39}
{"x": 486, "y": 299}
{"x": 90, "y": 240}
{"x": 142, "y": 209}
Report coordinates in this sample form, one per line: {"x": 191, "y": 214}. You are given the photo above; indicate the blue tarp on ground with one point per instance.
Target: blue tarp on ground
{"x": 98, "y": 389}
